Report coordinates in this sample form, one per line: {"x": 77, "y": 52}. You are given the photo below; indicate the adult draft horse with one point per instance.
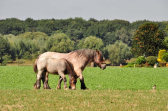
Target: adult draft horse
{"x": 79, "y": 59}
{"x": 46, "y": 65}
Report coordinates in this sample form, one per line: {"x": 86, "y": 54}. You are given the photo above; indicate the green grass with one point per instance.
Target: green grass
{"x": 110, "y": 89}
{"x": 93, "y": 100}
{"x": 23, "y": 77}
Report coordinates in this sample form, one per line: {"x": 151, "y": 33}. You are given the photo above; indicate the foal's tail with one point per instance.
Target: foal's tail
{"x": 35, "y": 66}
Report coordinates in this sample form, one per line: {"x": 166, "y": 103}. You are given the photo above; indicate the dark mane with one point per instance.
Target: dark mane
{"x": 84, "y": 52}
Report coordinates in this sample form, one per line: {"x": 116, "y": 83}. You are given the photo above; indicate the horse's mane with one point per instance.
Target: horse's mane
{"x": 84, "y": 52}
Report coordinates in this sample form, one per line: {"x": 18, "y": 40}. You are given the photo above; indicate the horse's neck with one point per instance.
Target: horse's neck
{"x": 84, "y": 61}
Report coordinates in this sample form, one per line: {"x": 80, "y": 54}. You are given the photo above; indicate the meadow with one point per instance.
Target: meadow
{"x": 111, "y": 89}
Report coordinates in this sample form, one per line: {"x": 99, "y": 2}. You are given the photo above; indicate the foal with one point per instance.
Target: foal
{"x": 47, "y": 65}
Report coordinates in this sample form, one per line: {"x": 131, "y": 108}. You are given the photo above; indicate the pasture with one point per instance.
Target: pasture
{"x": 110, "y": 89}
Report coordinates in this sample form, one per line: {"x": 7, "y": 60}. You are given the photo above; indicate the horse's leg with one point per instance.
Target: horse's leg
{"x": 70, "y": 81}
{"x": 59, "y": 82}
{"x": 37, "y": 85}
{"x": 45, "y": 80}
{"x": 79, "y": 73}
{"x": 64, "y": 78}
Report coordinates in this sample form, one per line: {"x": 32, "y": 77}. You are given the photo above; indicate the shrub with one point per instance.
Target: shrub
{"x": 151, "y": 60}
{"x": 140, "y": 60}
{"x": 4, "y": 63}
{"x": 132, "y": 61}
{"x": 165, "y": 57}
{"x": 129, "y": 65}
{"x": 160, "y": 55}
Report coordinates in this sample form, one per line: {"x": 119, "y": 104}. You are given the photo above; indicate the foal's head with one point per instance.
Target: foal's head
{"x": 98, "y": 59}
{"x": 73, "y": 82}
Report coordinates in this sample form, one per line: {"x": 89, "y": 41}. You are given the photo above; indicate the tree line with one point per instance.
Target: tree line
{"x": 27, "y": 39}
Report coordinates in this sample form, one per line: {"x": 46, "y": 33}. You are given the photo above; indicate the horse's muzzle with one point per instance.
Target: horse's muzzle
{"x": 103, "y": 66}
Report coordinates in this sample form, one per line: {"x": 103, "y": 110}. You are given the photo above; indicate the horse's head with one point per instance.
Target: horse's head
{"x": 98, "y": 59}
{"x": 73, "y": 82}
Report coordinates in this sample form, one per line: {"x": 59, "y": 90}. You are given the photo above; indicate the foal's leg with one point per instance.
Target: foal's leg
{"x": 37, "y": 85}
{"x": 64, "y": 78}
{"x": 59, "y": 82}
{"x": 45, "y": 80}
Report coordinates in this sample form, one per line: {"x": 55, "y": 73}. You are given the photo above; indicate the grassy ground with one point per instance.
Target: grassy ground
{"x": 94, "y": 100}
{"x": 109, "y": 89}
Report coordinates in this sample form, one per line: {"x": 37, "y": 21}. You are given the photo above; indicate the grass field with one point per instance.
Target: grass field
{"x": 109, "y": 89}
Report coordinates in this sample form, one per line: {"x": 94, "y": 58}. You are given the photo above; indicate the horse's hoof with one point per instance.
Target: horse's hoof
{"x": 85, "y": 88}
{"x": 46, "y": 88}
{"x": 36, "y": 87}
{"x": 65, "y": 88}
{"x": 58, "y": 88}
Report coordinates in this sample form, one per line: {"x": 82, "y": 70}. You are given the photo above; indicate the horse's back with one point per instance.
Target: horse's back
{"x": 53, "y": 55}
{"x": 54, "y": 65}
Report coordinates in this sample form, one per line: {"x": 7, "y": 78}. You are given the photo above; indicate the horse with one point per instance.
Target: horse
{"x": 46, "y": 65}
{"x": 79, "y": 60}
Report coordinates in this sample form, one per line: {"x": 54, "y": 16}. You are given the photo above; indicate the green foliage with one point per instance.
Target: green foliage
{"x": 36, "y": 34}
{"x": 27, "y": 55}
{"x": 60, "y": 43}
{"x": 140, "y": 60}
{"x": 151, "y": 60}
{"x": 129, "y": 65}
{"x": 119, "y": 53}
{"x": 33, "y": 35}
{"x": 165, "y": 42}
{"x": 165, "y": 57}
{"x": 12, "y": 26}
{"x": 4, "y": 63}
{"x": 4, "y": 47}
{"x": 7, "y": 58}
{"x": 124, "y": 36}
{"x": 147, "y": 40}
{"x": 133, "y": 60}
{"x": 91, "y": 42}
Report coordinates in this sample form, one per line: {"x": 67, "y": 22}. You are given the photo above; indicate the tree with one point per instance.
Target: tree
{"x": 109, "y": 38}
{"x": 20, "y": 49}
{"x": 4, "y": 47}
{"x": 60, "y": 43}
{"x": 91, "y": 42}
{"x": 31, "y": 24}
{"x": 123, "y": 35}
{"x": 165, "y": 42}
{"x": 165, "y": 57}
{"x": 147, "y": 40}
{"x": 119, "y": 52}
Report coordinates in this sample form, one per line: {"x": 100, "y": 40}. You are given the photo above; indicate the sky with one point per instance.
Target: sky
{"x": 129, "y": 10}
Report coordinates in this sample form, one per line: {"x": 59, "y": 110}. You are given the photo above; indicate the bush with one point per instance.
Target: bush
{"x": 151, "y": 60}
{"x": 132, "y": 61}
{"x": 165, "y": 57}
{"x": 140, "y": 60}
{"x": 129, "y": 65}
{"x": 4, "y": 63}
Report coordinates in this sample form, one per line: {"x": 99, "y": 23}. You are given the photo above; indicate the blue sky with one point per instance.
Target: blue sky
{"x": 130, "y": 10}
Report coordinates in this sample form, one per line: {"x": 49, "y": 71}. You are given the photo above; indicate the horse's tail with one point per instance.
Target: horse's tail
{"x": 35, "y": 66}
